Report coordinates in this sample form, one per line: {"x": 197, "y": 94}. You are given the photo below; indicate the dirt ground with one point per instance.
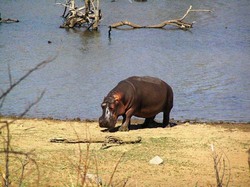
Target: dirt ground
{"x": 184, "y": 148}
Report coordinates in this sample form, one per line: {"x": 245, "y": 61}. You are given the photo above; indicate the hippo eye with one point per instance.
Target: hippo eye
{"x": 111, "y": 107}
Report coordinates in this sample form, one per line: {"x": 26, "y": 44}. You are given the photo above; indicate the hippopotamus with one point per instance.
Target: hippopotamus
{"x": 143, "y": 97}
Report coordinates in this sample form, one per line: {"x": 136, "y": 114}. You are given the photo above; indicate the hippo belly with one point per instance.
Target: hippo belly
{"x": 152, "y": 107}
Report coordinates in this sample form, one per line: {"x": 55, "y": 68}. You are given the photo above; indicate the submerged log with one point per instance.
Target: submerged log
{"x": 8, "y": 20}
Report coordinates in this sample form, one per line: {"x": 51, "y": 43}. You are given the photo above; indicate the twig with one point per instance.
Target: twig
{"x": 7, "y": 151}
{"x": 113, "y": 173}
{"x": 10, "y": 77}
{"x": 215, "y": 156}
{"x": 38, "y": 66}
{"x": 25, "y": 111}
{"x": 24, "y": 164}
{"x": 218, "y": 164}
{"x": 248, "y": 159}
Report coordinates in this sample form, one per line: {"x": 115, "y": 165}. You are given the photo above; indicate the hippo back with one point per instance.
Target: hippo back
{"x": 152, "y": 95}
{"x": 146, "y": 79}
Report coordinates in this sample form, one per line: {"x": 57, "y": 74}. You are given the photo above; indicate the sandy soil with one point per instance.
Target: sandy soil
{"x": 185, "y": 149}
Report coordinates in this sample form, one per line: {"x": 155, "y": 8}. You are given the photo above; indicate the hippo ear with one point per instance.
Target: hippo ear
{"x": 117, "y": 97}
{"x": 116, "y": 101}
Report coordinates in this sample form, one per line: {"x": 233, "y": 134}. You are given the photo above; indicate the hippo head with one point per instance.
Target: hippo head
{"x": 110, "y": 112}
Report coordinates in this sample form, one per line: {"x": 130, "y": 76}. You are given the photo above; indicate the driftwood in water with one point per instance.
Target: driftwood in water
{"x": 175, "y": 22}
{"x": 109, "y": 141}
{"x": 88, "y": 15}
{"x": 8, "y": 20}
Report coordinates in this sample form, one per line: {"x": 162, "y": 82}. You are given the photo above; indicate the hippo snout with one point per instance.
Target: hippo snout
{"x": 102, "y": 122}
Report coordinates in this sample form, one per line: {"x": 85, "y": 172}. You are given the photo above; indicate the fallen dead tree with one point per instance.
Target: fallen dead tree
{"x": 109, "y": 141}
{"x": 179, "y": 23}
{"x": 89, "y": 14}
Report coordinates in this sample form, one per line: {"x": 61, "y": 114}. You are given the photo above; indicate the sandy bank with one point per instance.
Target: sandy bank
{"x": 185, "y": 149}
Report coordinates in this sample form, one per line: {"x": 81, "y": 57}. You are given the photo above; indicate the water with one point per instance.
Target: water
{"x": 208, "y": 66}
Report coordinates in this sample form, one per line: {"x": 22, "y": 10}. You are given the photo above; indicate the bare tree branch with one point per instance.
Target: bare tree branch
{"x": 221, "y": 163}
{"x": 8, "y": 151}
{"x": 38, "y": 66}
{"x": 10, "y": 77}
{"x": 111, "y": 178}
{"x": 24, "y": 112}
{"x": 175, "y": 22}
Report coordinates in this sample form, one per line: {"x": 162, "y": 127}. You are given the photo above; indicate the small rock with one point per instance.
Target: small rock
{"x": 156, "y": 160}
{"x": 186, "y": 124}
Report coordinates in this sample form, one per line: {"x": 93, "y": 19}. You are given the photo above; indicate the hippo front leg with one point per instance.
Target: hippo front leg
{"x": 126, "y": 121}
{"x": 125, "y": 126}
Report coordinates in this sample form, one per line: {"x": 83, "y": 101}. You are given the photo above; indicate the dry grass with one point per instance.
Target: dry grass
{"x": 185, "y": 149}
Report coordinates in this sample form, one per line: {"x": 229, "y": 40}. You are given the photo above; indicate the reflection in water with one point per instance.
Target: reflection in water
{"x": 208, "y": 66}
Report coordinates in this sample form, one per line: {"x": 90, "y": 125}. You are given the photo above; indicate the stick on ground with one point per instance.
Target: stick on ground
{"x": 109, "y": 141}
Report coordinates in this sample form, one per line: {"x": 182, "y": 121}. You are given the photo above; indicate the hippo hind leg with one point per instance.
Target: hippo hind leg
{"x": 166, "y": 119}
{"x": 147, "y": 122}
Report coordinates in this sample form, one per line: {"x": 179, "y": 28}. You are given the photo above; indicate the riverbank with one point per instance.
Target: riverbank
{"x": 184, "y": 148}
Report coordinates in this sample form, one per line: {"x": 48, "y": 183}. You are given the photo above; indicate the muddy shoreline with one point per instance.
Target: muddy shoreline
{"x": 140, "y": 120}
{"x": 136, "y": 123}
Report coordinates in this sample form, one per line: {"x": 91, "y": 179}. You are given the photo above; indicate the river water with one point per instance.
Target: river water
{"x": 207, "y": 66}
